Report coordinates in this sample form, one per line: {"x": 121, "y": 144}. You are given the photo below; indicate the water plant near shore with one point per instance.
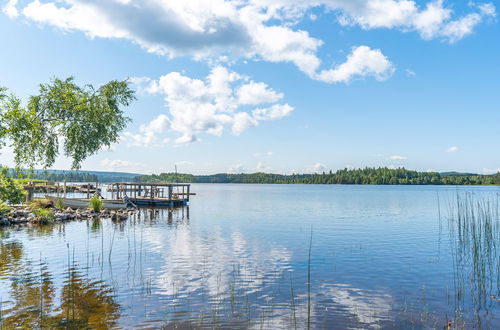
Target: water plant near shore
{"x": 44, "y": 216}
{"x": 96, "y": 204}
{"x": 59, "y": 204}
{"x": 474, "y": 227}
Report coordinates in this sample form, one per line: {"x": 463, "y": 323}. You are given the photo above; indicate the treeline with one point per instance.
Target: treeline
{"x": 73, "y": 176}
{"x": 70, "y": 176}
{"x": 381, "y": 176}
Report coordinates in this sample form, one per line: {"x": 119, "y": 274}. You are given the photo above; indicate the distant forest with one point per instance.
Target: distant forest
{"x": 381, "y": 176}
{"x": 74, "y": 176}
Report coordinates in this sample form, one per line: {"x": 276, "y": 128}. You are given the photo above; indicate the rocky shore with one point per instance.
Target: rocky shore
{"x": 22, "y": 215}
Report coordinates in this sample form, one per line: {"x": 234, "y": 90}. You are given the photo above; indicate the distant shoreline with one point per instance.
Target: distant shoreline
{"x": 366, "y": 176}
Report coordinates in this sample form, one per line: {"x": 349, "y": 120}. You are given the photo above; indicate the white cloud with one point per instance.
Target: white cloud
{"x": 261, "y": 168}
{"x": 452, "y": 149}
{"x": 362, "y": 62}
{"x": 491, "y": 171}
{"x": 148, "y": 135}
{"x": 395, "y": 167}
{"x": 120, "y": 165}
{"x": 397, "y": 157}
{"x": 227, "y": 30}
{"x": 237, "y": 169}
{"x": 10, "y": 9}
{"x": 315, "y": 168}
{"x": 274, "y": 112}
{"x": 410, "y": 73}
{"x": 257, "y": 93}
{"x": 208, "y": 106}
{"x": 433, "y": 21}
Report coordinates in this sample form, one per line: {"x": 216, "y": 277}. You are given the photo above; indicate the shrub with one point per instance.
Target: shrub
{"x": 44, "y": 216}
{"x": 96, "y": 204}
{"x": 4, "y": 209}
{"x": 40, "y": 203}
{"x": 10, "y": 191}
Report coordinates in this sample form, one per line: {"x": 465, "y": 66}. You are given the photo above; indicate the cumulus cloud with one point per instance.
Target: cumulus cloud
{"x": 118, "y": 164}
{"x": 491, "y": 170}
{"x": 261, "y": 168}
{"x": 397, "y": 157}
{"x": 10, "y": 9}
{"x": 226, "y": 30}
{"x": 237, "y": 169}
{"x": 224, "y": 99}
{"x": 362, "y": 62}
{"x": 148, "y": 135}
{"x": 315, "y": 168}
{"x": 452, "y": 149}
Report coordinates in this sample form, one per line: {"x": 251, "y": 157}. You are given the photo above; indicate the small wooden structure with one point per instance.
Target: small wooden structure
{"x": 152, "y": 194}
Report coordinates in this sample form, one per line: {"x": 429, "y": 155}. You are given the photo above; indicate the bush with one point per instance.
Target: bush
{"x": 40, "y": 203}
{"x": 4, "y": 209}
{"x": 10, "y": 191}
{"x": 44, "y": 216}
{"x": 96, "y": 204}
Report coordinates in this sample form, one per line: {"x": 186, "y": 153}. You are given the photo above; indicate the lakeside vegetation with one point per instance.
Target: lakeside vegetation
{"x": 381, "y": 176}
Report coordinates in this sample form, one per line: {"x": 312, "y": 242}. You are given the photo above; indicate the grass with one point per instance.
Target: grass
{"x": 96, "y": 204}
{"x": 59, "y": 204}
{"x": 44, "y": 216}
{"x": 474, "y": 226}
{"x": 40, "y": 203}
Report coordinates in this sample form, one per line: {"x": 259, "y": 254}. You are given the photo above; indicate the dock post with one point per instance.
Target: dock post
{"x": 188, "y": 192}
{"x": 88, "y": 190}
{"x": 64, "y": 189}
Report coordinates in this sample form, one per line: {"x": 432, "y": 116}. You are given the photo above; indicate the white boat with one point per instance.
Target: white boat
{"x": 82, "y": 203}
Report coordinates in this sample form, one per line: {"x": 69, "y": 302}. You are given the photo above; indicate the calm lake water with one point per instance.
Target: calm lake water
{"x": 380, "y": 257}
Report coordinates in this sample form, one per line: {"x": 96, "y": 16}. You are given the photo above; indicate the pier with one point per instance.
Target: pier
{"x": 152, "y": 194}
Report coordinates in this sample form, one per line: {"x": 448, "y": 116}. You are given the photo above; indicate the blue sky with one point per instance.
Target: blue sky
{"x": 274, "y": 85}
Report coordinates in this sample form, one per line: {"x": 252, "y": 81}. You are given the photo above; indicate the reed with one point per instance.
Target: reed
{"x": 474, "y": 226}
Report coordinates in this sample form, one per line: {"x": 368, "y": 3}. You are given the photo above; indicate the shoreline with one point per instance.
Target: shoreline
{"x": 23, "y": 215}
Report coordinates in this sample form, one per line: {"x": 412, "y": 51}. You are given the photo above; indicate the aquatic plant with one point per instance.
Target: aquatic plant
{"x": 96, "y": 204}
{"x": 44, "y": 216}
{"x": 474, "y": 226}
{"x": 59, "y": 204}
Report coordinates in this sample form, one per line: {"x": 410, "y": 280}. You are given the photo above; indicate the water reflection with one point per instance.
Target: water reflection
{"x": 160, "y": 268}
{"x": 37, "y": 301}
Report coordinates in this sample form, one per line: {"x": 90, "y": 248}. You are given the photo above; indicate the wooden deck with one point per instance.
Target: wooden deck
{"x": 152, "y": 194}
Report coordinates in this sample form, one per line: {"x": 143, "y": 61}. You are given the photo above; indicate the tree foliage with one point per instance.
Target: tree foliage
{"x": 383, "y": 176}
{"x": 10, "y": 191}
{"x": 81, "y": 120}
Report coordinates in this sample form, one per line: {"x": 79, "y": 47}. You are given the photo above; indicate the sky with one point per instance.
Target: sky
{"x": 282, "y": 86}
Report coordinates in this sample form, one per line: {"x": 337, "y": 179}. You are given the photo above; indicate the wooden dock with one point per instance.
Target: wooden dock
{"x": 152, "y": 194}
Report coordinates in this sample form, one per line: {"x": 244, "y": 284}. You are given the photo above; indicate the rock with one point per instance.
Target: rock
{"x": 19, "y": 213}
{"x": 62, "y": 217}
{"x": 4, "y": 222}
{"x": 114, "y": 216}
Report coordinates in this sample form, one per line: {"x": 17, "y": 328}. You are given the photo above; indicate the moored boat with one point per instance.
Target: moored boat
{"x": 80, "y": 203}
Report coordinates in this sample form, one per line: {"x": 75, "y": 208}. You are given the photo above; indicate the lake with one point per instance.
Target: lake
{"x": 266, "y": 256}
